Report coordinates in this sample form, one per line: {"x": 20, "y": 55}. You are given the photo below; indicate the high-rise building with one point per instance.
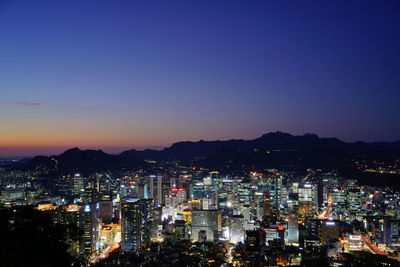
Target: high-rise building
{"x": 236, "y": 229}
{"x": 136, "y": 222}
{"x": 293, "y": 229}
{"x": 180, "y": 230}
{"x": 255, "y": 240}
{"x": 267, "y": 205}
{"x": 354, "y": 200}
{"x": 198, "y": 190}
{"x": 308, "y": 200}
{"x": 329, "y": 230}
{"x": 275, "y": 235}
{"x": 78, "y": 184}
{"x": 155, "y": 189}
{"x": 388, "y": 231}
{"x": 83, "y": 216}
{"x": 105, "y": 211}
{"x": 176, "y": 197}
{"x": 90, "y": 228}
{"x": 276, "y": 191}
{"x": 208, "y": 221}
{"x": 72, "y": 215}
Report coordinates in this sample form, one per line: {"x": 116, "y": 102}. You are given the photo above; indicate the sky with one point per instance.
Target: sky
{"x": 116, "y": 75}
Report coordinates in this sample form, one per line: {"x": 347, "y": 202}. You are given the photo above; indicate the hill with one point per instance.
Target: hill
{"x": 82, "y": 160}
{"x": 308, "y": 144}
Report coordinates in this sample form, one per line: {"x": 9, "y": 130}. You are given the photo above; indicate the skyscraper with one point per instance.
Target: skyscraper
{"x": 135, "y": 223}
{"x": 267, "y": 205}
{"x": 276, "y": 191}
{"x": 293, "y": 229}
{"x": 208, "y": 221}
{"x": 77, "y": 185}
{"x": 90, "y": 228}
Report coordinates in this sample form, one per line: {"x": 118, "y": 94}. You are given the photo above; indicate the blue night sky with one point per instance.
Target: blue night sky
{"x": 124, "y": 74}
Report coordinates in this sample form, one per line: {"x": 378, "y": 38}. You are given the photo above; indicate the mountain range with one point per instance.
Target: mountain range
{"x": 82, "y": 160}
{"x": 271, "y": 150}
{"x": 276, "y": 141}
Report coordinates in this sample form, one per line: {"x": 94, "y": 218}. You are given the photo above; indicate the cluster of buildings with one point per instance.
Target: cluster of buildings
{"x": 277, "y": 214}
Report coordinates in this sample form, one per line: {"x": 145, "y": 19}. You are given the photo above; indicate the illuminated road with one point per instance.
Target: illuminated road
{"x": 326, "y": 214}
{"x": 306, "y": 177}
{"x": 375, "y": 249}
{"x": 368, "y": 246}
{"x": 371, "y": 246}
{"x": 106, "y": 252}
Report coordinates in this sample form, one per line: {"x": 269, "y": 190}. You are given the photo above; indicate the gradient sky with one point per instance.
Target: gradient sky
{"x": 134, "y": 74}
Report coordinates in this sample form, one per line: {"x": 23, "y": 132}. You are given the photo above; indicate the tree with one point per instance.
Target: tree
{"x": 30, "y": 238}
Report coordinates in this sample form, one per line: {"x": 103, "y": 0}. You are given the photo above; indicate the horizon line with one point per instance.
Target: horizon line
{"x": 115, "y": 150}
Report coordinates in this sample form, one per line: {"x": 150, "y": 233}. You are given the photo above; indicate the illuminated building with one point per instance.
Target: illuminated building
{"x": 135, "y": 223}
{"x": 267, "y": 205}
{"x": 13, "y": 195}
{"x": 355, "y": 242}
{"x": 236, "y": 229}
{"x": 308, "y": 193}
{"x": 167, "y": 184}
{"x": 293, "y": 229}
{"x": 198, "y": 190}
{"x": 388, "y": 231}
{"x": 354, "y": 200}
{"x": 105, "y": 211}
{"x": 156, "y": 224}
{"x": 275, "y": 235}
{"x": 187, "y": 216}
{"x": 308, "y": 200}
{"x": 46, "y": 207}
{"x": 108, "y": 233}
{"x": 78, "y": 185}
{"x": 325, "y": 190}
{"x": 129, "y": 191}
{"x": 255, "y": 240}
{"x": 311, "y": 230}
{"x": 180, "y": 230}
{"x": 338, "y": 196}
{"x": 248, "y": 222}
{"x": 105, "y": 205}
{"x": 294, "y": 188}
{"x": 276, "y": 191}
{"x": 207, "y": 181}
{"x": 90, "y": 228}
{"x": 207, "y": 202}
{"x": 208, "y": 221}
{"x": 293, "y": 202}
{"x": 89, "y": 193}
{"x": 155, "y": 189}
{"x": 72, "y": 215}
{"x": 329, "y": 230}
{"x": 177, "y": 196}
{"x": 195, "y": 204}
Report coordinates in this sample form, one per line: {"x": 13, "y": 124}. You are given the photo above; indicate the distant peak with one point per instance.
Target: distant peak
{"x": 72, "y": 150}
{"x": 275, "y": 134}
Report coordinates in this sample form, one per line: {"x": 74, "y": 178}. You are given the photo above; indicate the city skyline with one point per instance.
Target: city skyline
{"x": 215, "y": 133}
{"x": 137, "y": 75}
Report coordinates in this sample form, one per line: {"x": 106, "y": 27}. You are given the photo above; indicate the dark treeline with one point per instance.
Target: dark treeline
{"x": 30, "y": 238}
